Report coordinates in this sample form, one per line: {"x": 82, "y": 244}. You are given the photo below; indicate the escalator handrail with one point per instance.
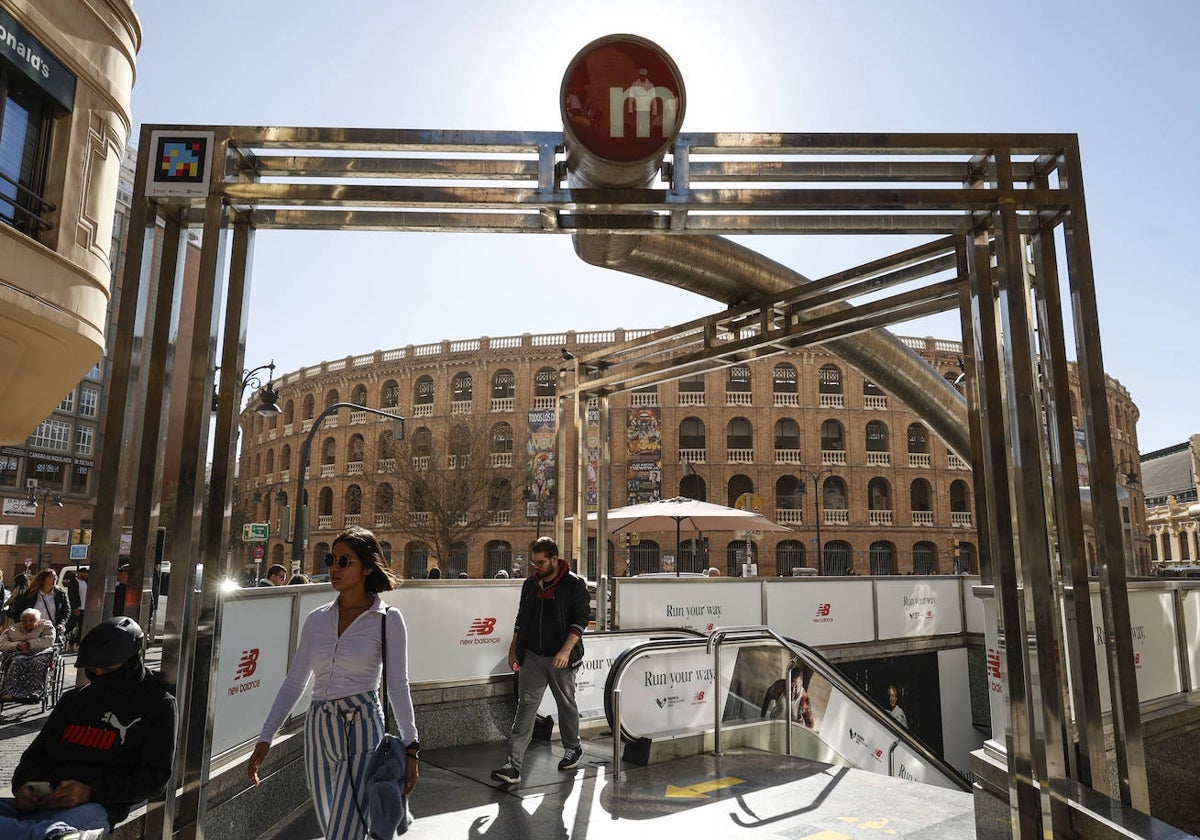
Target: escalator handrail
{"x": 820, "y": 665}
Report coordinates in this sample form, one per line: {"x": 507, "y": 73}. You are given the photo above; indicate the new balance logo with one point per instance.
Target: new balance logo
{"x": 482, "y": 627}
{"x": 248, "y": 664}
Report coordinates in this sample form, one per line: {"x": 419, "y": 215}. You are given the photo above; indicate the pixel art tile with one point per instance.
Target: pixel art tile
{"x": 180, "y": 160}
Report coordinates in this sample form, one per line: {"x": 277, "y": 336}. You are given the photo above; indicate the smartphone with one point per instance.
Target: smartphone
{"x": 40, "y": 788}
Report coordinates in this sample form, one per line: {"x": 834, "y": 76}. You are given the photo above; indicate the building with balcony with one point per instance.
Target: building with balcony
{"x": 1169, "y": 483}
{"x": 809, "y": 437}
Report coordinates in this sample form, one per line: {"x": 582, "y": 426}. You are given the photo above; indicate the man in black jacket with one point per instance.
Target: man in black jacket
{"x": 546, "y": 649}
{"x": 104, "y": 748}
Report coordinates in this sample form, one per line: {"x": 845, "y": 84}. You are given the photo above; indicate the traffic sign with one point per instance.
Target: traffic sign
{"x": 258, "y": 553}
{"x": 79, "y": 552}
{"x": 256, "y": 532}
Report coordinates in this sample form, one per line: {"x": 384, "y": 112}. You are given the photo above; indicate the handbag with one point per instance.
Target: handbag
{"x": 387, "y": 771}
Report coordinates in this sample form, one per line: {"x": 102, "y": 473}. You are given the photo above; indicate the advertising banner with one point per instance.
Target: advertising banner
{"x": 1152, "y": 629}
{"x": 993, "y": 667}
{"x": 252, "y": 662}
{"x": 692, "y": 603}
{"x": 460, "y": 635}
{"x": 821, "y": 612}
{"x": 19, "y": 507}
{"x": 644, "y": 441}
{"x": 669, "y": 692}
{"x": 541, "y": 469}
{"x": 918, "y": 606}
{"x": 593, "y": 458}
{"x": 1191, "y": 626}
{"x": 592, "y": 674}
{"x": 972, "y": 606}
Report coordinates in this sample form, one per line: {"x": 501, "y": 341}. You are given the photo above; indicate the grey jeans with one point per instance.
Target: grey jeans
{"x": 536, "y": 673}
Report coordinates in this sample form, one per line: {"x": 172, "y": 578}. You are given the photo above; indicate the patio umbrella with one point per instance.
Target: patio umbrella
{"x": 700, "y": 516}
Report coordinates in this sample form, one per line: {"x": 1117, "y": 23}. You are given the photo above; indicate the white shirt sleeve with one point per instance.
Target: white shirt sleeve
{"x": 397, "y": 676}
{"x": 296, "y": 680}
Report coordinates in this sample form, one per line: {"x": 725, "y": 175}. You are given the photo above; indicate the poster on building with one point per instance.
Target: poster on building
{"x": 541, "y": 468}
{"x": 643, "y": 482}
{"x": 1081, "y": 458}
{"x": 593, "y": 458}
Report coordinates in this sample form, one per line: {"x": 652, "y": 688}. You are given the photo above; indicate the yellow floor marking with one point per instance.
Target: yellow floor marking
{"x": 826, "y": 835}
{"x": 702, "y": 789}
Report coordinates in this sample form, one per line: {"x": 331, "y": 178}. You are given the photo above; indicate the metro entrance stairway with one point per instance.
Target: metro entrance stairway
{"x": 743, "y": 793}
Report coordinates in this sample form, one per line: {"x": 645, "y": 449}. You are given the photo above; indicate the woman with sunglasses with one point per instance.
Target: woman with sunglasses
{"x": 341, "y": 651}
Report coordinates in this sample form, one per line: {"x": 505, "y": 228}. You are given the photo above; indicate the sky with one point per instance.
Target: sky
{"x": 1122, "y": 76}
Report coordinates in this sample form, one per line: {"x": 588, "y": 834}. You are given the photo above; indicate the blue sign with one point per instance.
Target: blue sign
{"x": 79, "y": 552}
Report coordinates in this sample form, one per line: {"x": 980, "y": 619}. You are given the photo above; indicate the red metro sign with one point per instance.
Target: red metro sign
{"x": 622, "y": 97}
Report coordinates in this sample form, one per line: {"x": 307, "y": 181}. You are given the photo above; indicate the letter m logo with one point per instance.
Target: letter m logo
{"x": 644, "y": 103}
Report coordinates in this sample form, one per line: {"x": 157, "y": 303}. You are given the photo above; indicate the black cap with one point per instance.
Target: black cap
{"x": 111, "y": 642}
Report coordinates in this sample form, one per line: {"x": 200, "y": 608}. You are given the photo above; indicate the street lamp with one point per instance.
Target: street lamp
{"x": 268, "y": 396}
{"x": 1126, "y": 470}
{"x": 45, "y": 494}
{"x": 299, "y": 533}
{"x": 817, "y": 477}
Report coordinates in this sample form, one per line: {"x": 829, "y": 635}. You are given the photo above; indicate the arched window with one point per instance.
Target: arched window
{"x": 462, "y": 388}
{"x": 386, "y": 548}
{"x": 960, "y": 498}
{"x": 918, "y": 439}
{"x": 883, "y": 558}
{"x": 877, "y": 437}
{"x": 423, "y": 391}
{"x": 386, "y": 446}
{"x": 647, "y": 394}
{"x": 788, "y": 493}
{"x": 460, "y": 440}
{"x": 355, "y": 449}
{"x": 422, "y": 442}
{"x": 385, "y": 498}
{"x": 833, "y": 439}
{"x": 319, "y": 551}
{"x": 644, "y": 558}
{"x": 693, "y": 487}
{"x": 691, "y": 435}
{"x": 967, "y": 562}
{"x": 739, "y": 434}
{"x": 309, "y": 407}
{"x": 257, "y": 464}
{"x": 837, "y": 557}
{"x": 830, "y": 380}
{"x": 692, "y": 384}
{"x": 738, "y": 553}
{"x": 416, "y": 556}
{"x": 389, "y": 396}
{"x": 879, "y": 494}
{"x": 270, "y": 461}
{"x": 833, "y": 494}
{"x": 289, "y": 412}
{"x": 923, "y": 558}
{"x": 458, "y": 560}
{"x": 329, "y": 451}
{"x": 789, "y": 554}
{"x": 502, "y": 439}
{"x": 738, "y": 485}
{"x": 692, "y": 556}
{"x": 737, "y": 381}
{"x": 920, "y": 496}
{"x": 325, "y": 502}
{"x": 870, "y": 389}
{"x": 353, "y": 500}
{"x": 285, "y": 457}
{"x": 784, "y": 383}
{"x": 497, "y": 556}
{"x": 787, "y": 436}
{"x": 504, "y": 385}
{"x": 332, "y": 398}
{"x": 500, "y": 494}
{"x": 591, "y": 553}
{"x": 359, "y": 395}
{"x": 545, "y": 382}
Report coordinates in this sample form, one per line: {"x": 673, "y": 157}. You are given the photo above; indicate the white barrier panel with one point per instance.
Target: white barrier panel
{"x": 1191, "y": 625}
{"x": 993, "y": 666}
{"x": 667, "y": 693}
{"x": 918, "y": 606}
{"x": 457, "y": 631}
{"x": 252, "y": 661}
{"x": 972, "y": 606}
{"x": 598, "y": 655}
{"x": 691, "y": 603}
{"x": 821, "y": 612}
{"x": 1152, "y": 626}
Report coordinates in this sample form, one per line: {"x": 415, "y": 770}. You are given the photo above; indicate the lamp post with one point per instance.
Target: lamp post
{"x": 45, "y": 494}
{"x": 299, "y": 533}
{"x": 268, "y": 396}
{"x": 817, "y": 477}
{"x": 1126, "y": 469}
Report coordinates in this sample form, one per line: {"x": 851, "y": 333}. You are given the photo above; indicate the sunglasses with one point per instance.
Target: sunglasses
{"x": 343, "y": 561}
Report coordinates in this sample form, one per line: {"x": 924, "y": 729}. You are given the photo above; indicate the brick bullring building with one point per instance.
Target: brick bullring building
{"x": 892, "y": 500}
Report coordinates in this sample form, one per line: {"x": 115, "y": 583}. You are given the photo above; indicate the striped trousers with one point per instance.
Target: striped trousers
{"x": 339, "y": 738}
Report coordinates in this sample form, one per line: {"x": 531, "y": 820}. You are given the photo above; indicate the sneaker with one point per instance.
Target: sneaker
{"x": 75, "y": 834}
{"x": 508, "y": 774}
{"x": 571, "y": 757}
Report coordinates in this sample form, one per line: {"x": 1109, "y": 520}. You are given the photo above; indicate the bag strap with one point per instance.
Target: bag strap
{"x": 389, "y": 719}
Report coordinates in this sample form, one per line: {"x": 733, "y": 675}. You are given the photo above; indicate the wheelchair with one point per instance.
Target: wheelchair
{"x": 46, "y": 685}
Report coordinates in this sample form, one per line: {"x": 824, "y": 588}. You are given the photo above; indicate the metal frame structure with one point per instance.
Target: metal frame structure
{"x": 1003, "y": 213}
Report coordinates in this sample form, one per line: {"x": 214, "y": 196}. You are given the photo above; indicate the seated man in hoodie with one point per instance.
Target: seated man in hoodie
{"x": 105, "y": 747}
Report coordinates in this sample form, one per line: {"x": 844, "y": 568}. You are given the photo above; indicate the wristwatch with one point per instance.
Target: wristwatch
{"x": 414, "y": 749}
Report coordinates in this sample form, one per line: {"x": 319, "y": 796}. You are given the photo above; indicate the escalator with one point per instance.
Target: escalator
{"x": 749, "y": 686}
